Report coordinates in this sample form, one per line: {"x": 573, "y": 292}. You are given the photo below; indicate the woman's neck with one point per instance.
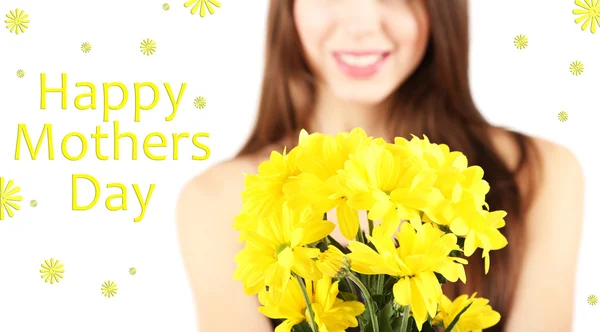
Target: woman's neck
{"x": 332, "y": 115}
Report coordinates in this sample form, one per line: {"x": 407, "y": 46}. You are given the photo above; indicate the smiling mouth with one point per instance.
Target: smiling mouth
{"x": 360, "y": 64}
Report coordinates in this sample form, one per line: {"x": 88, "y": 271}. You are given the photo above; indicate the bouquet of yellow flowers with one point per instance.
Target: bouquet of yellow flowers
{"x": 426, "y": 213}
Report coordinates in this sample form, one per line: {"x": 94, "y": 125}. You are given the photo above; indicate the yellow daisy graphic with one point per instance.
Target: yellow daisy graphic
{"x": 166, "y": 6}
{"x": 200, "y": 102}
{"x": 8, "y": 198}
{"x": 52, "y": 271}
{"x": 563, "y": 116}
{"x": 521, "y": 42}
{"x": 592, "y": 299}
{"x": 589, "y": 14}
{"x": 86, "y": 47}
{"x": 17, "y": 21}
{"x": 109, "y": 289}
{"x": 576, "y": 68}
{"x": 132, "y": 271}
{"x": 20, "y": 73}
{"x": 148, "y": 47}
{"x": 33, "y": 203}
{"x": 203, "y": 5}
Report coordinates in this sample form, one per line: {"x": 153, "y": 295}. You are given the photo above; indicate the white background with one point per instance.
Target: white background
{"x": 220, "y": 57}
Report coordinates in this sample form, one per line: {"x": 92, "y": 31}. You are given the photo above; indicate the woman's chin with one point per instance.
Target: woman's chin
{"x": 361, "y": 97}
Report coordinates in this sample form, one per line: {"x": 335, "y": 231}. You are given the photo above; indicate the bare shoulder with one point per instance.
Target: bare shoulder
{"x": 551, "y": 162}
{"x": 220, "y": 179}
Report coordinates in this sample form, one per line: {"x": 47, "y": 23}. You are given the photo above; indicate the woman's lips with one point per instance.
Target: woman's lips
{"x": 360, "y": 64}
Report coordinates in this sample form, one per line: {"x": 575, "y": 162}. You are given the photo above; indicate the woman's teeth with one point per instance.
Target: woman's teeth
{"x": 360, "y": 60}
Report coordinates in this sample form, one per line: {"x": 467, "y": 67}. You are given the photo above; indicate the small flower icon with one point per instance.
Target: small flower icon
{"x": 52, "y": 271}
{"x": 86, "y": 47}
{"x": 109, "y": 289}
{"x": 20, "y": 73}
{"x": 576, "y": 68}
{"x": 203, "y": 5}
{"x": 521, "y": 42}
{"x": 592, "y": 299}
{"x": 148, "y": 47}
{"x": 200, "y": 102}
{"x": 33, "y": 203}
{"x": 17, "y": 21}
{"x": 563, "y": 116}
{"x": 132, "y": 271}
{"x": 8, "y": 198}
{"x": 590, "y": 14}
{"x": 166, "y": 6}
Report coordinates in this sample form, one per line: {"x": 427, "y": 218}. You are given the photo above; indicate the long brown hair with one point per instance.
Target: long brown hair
{"x": 435, "y": 101}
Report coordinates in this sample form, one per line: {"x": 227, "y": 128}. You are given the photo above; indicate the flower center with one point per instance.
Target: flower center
{"x": 52, "y": 271}
{"x": 281, "y": 248}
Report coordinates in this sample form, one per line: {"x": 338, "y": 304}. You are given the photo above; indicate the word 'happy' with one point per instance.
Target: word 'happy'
{"x": 106, "y": 91}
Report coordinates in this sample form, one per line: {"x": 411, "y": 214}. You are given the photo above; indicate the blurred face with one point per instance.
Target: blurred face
{"x": 362, "y": 50}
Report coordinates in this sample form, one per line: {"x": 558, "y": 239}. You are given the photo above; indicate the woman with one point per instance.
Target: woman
{"x": 394, "y": 68}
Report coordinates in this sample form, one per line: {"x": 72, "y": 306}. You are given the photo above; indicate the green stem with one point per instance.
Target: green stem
{"x": 360, "y": 236}
{"x": 368, "y": 300}
{"x": 351, "y": 285}
{"x": 379, "y": 288}
{"x": 308, "y": 303}
{"x": 405, "y": 316}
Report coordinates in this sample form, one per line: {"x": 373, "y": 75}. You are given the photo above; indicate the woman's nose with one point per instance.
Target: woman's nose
{"x": 360, "y": 18}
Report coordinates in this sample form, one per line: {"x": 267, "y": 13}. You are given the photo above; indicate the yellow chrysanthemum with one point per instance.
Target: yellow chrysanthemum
{"x": 479, "y": 227}
{"x": 52, "y": 271}
{"x": 331, "y": 313}
{"x": 592, "y": 299}
{"x": 17, "y": 21}
{"x": 381, "y": 181}
{"x": 276, "y": 249}
{"x": 244, "y": 222}
{"x": 576, "y": 68}
{"x": 457, "y": 186}
{"x": 109, "y": 289}
{"x": 263, "y": 193}
{"x": 148, "y": 46}
{"x": 333, "y": 263}
{"x": 203, "y": 5}
{"x": 420, "y": 254}
{"x": 320, "y": 157}
{"x": 521, "y": 42}
{"x": 20, "y": 73}
{"x": 8, "y": 198}
{"x": 590, "y": 13}
{"x": 166, "y": 6}
{"x": 453, "y": 177}
{"x": 477, "y": 317}
{"x": 451, "y": 166}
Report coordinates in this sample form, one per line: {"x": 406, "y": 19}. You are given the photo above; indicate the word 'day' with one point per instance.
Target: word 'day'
{"x": 120, "y": 195}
